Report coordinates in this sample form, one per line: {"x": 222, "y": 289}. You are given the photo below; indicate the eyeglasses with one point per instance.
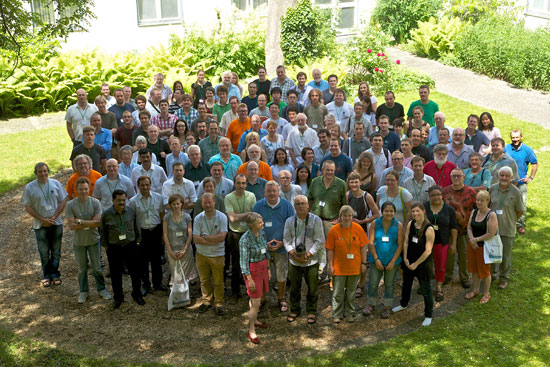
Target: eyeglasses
{"x": 457, "y": 176}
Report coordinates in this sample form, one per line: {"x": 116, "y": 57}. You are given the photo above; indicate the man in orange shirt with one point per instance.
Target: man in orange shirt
{"x": 83, "y": 164}
{"x": 238, "y": 126}
{"x": 255, "y": 153}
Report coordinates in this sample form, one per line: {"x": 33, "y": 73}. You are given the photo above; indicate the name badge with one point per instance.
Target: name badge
{"x": 350, "y": 256}
{"x": 315, "y": 126}
{"x": 499, "y": 211}
{"x": 354, "y": 213}
{"x": 48, "y": 207}
{"x": 415, "y": 239}
{"x": 179, "y": 234}
{"x": 436, "y": 227}
{"x": 385, "y": 239}
{"x": 321, "y": 204}
{"x": 147, "y": 221}
{"x": 122, "y": 237}
{"x": 263, "y": 251}
{"x": 243, "y": 224}
{"x": 339, "y": 122}
{"x": 196, "y": 183}
{"x": 268, "y": 224}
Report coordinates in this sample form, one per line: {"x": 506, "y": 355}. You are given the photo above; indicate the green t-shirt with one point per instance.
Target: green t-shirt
{"x": 219, "y": 110}
{"x": 281, "y": 106}
{"x": 238, "y": 205}
{"x": 327, "y": 202}
{"x": 430, "y": 109}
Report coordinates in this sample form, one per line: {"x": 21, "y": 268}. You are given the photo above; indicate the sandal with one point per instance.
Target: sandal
{"x": 311, "y": 319}
{"x": 471, "y": 295}
{"x": 57, "y": 281}
{"x": 292, "y": 317}
{"x": 283, "y": 305}
{"x": 45, "y": 283}
{"x": 359, "y": 292}
{"x": 485, "y": 299}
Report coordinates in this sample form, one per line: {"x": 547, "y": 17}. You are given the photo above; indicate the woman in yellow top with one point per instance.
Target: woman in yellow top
{"x": 347, "y": 258}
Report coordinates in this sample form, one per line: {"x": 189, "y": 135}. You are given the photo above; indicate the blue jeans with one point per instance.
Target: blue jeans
{"x": 82, "y": 254}
{"x": 389, "y": 286}
{"x": 343, "y": 296}
{"x": 48, "y": 240}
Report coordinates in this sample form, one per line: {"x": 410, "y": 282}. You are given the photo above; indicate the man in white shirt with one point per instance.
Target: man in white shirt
{"x": 419, "y": 184}
{"x": 341, "y": 109}
{"x": 300, "y": 138}
{"x": 179, "y": 185}
{"x": 287, "y": 190}
{"x": 78, "y": 115}
{"x": 147, "y": 168}
{"x": 104, "y": 187}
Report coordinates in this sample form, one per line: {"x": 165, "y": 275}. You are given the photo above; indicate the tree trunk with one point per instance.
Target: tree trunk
{"x": 273, "y": 52}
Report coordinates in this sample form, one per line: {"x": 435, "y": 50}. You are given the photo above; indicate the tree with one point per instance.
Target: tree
{"x": 23, "y": 30}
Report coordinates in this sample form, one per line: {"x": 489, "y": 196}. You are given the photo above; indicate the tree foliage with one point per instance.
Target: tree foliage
{"x": 307, "y": 32}
{"x": 22, "y": 30}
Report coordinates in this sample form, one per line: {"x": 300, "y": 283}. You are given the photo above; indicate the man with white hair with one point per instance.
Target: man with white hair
{"x": 459, "y": 153}
{"x": 404, "y": 172}
{"x": 440, "y": 168}
{"x": 318, "y": 81}
{"x": 300, "y": 138}
{"x": 254, "y": 184}
{"x": 232, "y": 90}
{"x": 196, "y": 169}
{"x": 231, "y": 162}
{"x": 106, "y": 185}
{"x": 165, "y": 89}
{"x": 255, "y": 154}
{"x": 433, "y": 137}
{"x": 507, "y": 202}
{"x": 287, "y": 190}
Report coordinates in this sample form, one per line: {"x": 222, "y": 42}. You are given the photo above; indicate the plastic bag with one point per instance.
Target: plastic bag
{"x": 179, "y": 294}
{"x": 492, "y": 250}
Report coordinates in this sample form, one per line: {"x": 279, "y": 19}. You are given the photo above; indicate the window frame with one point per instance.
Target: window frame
{"x": 337, "y": 5}
{"x": 543, "y": 13}
{"x": 159, "y": 20}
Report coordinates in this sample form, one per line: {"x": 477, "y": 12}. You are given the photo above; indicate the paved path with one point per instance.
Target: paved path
{"x": 528, "y": 105}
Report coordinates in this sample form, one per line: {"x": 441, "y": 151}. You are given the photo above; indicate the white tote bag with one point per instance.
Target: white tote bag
{"x": 492, "y": 250}
{"x": 179, "y": 295}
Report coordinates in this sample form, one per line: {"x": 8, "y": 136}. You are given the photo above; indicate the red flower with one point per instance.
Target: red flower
{"x": 382, "y": 54}
{"x": 398, "y": 62}
{"x": 369, "y": 50}
{"x": 381, "y": 71}
{"x": 375, "y": 69}
{"x": 379, "y": 54}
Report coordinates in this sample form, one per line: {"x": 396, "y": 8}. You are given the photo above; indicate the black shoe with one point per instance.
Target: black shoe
{"x": 117, "y": 304}
{"x": 204, "y": 307}
{"x": 161, "y": 288}
{"x": 219, "y": 311}
{"x": 140, "y": 301}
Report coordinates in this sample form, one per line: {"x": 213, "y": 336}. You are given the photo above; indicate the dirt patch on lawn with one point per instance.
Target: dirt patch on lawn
{"x": 152, "y": 334}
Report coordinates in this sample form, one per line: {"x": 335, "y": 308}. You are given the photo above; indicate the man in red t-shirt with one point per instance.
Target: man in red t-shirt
{"x": 463, "y": 199}
{"x": 439, "y": 168}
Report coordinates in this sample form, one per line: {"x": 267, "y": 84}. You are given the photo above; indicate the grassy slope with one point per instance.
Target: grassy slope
{"x": 513, "y": 329}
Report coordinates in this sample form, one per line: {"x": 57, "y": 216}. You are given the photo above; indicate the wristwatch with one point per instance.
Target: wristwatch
{"x": 79, "y": 222}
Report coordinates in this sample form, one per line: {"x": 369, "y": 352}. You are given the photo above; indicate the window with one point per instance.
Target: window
{"x": 347, "y": 10}
{"x": 152, "y": 12}
{"x": 539, "y": 7}
{"x": 44, "y": 10}
{"x": 248, "y": 4}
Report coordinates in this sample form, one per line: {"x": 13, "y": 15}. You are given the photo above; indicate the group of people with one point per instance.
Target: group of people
{"x": 289, "y": 182}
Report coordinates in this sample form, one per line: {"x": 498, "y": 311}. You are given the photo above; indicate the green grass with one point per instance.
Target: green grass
{"x": 513, "y": 329}
{"x": 21, "y": 151}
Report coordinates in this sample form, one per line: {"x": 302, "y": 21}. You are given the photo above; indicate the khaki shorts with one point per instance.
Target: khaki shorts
{"x": 280, "y": 262}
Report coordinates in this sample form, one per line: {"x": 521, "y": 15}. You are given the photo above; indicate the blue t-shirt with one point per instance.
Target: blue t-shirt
{"x": 344, "y": 165}
{"x": 274, "y": 219}
{"x": 392, "y": 142}
{"x": 251, "y": 103}
{"x": 322, "y": 85}
{"x": 385, "y": 249}
{"x": 523, "y": 156}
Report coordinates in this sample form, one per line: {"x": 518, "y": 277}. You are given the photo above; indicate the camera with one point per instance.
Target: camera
{"x": 300, "y": 248}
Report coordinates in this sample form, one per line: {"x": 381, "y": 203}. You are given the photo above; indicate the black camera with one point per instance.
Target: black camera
{"x": 300, "y": 248}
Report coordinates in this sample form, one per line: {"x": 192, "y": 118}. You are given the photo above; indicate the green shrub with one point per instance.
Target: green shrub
{"x": 476, "y": 10}
{"x": 435, "y": 38}
{"x": 224, "y": 48}
{"x": 398, "y": 17}
{"x": 365, "y": 54}
{"x": 506, "y": 50}
{"x": 307, "y": 32}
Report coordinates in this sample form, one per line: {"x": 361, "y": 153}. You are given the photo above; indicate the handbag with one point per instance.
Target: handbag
{"x": 492, "y": 250}
{"x": 179, "y": 294}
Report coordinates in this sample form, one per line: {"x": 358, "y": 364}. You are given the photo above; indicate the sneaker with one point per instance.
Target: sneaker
{"x": 398, "y": 308}
{"x": 105, "y": 294}
{"x": 385, "y": 314}
{"x": 82, "y": 297}
{"x": 427, "y": 321}
{"x": 204, "y": 307}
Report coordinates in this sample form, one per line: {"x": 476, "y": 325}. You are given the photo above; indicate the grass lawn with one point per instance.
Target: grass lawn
{"x": 513, "y": 329}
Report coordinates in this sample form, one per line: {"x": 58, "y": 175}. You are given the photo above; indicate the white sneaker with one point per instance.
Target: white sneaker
{"x": 427, "y": 321}
{"x": 398, "y": 308}
{"x": 82, "y": 297}
{"x": 105, "y": 294}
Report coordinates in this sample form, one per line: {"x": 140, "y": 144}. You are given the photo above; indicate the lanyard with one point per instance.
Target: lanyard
{"x": 109, "y": 185}
{"x": 501, "y": 199}
{"x": 149, "y": 202}
{"x": 438, "y": 178}
{"x": 121, "y": 224}
{"x": 84, "y": 213}
{"x": 82, "y": 114}
{"x": 416, "y": 192}
{"x": 350, "y": 232}
{"x": 338, "y": 113}
{"x": 179, "y": 224}
{"x": 47, "y": 194}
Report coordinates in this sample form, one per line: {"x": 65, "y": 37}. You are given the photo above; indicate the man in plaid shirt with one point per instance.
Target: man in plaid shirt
{"x": 186, "y": 112}
{"x": 164, "y": 120}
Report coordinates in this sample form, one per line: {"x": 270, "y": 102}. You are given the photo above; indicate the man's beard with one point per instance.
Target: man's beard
{"x": 440, "y": 162}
